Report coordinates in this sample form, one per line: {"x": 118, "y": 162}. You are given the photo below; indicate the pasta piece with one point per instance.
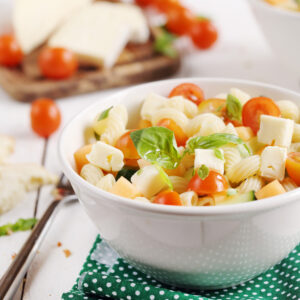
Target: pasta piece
{"x": 142, "y": 199}
{"x": 296, "y": 133}
{"x": 229, "y": 128}
{"x": 151, "y": 105}
{"x": 295, "y": 147}
{"x": 288, "y": 109}
{"x": 289, "y": 184}
{"x": 106, "y": 183}
{"x": 115, "y": 124}
{"x": 232, "y": 156}
{"x": 171, "y": 113}
{"x": 239, "y": 94}
{"x": 189, "y": 198}
{"x": 91, "y": 173}
{"x": 205, "y": 124}
{"x": 221, "y": 96}
{"x": 189, "y": 108}
{"x": 253, "y": 183}
{"x": 206, "y": 201}
{"x": 245, "y": 168}
{"x": 179, "y": 183}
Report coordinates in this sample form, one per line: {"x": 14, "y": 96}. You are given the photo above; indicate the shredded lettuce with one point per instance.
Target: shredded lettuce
{"x": 234, "y": 108}
{"x": 20, "y": 225}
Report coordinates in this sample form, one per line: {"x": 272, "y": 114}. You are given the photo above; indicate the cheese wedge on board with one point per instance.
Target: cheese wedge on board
{"x": 35, "y": 20}
{"x": 101, "y": 31}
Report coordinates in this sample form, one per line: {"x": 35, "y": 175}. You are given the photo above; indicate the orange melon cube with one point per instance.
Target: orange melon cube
{"x": 125, "y": 188}
{"x": 273, "y": 188}
{"x": 80, "y": 157}
{"x": 245, "y": 133}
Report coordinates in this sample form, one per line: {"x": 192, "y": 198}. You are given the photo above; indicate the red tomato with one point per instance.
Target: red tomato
{"x": 10, "y": 52}
{"x": 256, "y": 107}
{"x": 179, "y": 19}
{"x": 292, "y": 165}
{"x": 45, "y": 117}
{"x": 180, "y": 136}
{"x": 189, "y": 91}
{"x": 168, "y": 198}
{"x": 125, "y": 144}
{"x": 143, "y": 3}
{"x": 57, "y": 63}
{"x": 165, "y": 5}
{"x": 203, "y": 33}
{"x": 213, "y": 183}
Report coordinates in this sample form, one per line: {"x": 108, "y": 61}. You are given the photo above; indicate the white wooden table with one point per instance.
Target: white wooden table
{"x": 240, "y": 53}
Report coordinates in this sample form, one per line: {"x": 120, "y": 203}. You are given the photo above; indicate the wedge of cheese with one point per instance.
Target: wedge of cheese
{"x": 17, "y": 179}
{"x": 7, "y": 145}
{"x": 100, "y": 31}
{"x": 35, "y": 20}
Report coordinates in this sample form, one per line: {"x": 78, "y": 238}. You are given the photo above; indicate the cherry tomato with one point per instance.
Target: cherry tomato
{"x": 292, "y": 165}
{"x": 180, "y": 136}
{"x": 179, "y": 20}
{"x": 57, "y": 63}
{"x": 203, "y": 34}
{"x": 213, "y": 183}
{"x": 168, "y": 198}
{"x": 144, "y": 124}
{"x": 256, "y": 107}
{"x": 45, "y": 117}
{"x": 131, "y": 162}
{"x": 10, "y": 51}
{"x": 125, "y": 144}
{"x": 143, "y": 3}
{"x": 214, "y": 105}
{"x": 165, "y": 5}
{"x": 189, "y": 91}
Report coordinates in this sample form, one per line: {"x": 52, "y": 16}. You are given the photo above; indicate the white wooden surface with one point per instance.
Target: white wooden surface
{"x": 241, "y": 52}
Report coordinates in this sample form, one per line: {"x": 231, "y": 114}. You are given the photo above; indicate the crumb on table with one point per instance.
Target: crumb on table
{"x": 59, "y": 244}
{"x": 67, "y": 252}
{"x": 13, "y": 256}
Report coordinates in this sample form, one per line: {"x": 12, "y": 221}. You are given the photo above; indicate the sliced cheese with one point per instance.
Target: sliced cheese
{"x": 208, "y": 158}
{"x": 275, "y": 131}
{"x": 35, "y": 20}
{"x": 101, "y": 31}
{"x": 273, "y": 162}
{"x": 106, "y": 157}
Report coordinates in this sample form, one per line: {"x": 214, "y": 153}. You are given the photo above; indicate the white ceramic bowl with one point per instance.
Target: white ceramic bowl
{"x": 196, "y": 247}
{"x": 281, "y": 29}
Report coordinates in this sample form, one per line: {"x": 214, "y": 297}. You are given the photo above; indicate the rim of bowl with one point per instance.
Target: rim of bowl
{"x": 277, "y": 9}
{"x": 248, "y": 207}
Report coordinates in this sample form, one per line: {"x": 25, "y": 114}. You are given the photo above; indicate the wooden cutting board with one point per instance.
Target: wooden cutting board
{"x": 138, "y": 63}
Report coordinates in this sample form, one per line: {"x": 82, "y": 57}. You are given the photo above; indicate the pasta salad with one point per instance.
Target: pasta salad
{"x": 293, "y": 5}
{"x": 190, "y": 151}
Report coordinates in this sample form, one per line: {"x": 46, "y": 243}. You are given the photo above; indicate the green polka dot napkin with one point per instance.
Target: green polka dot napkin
{"x": 106, "y": 276}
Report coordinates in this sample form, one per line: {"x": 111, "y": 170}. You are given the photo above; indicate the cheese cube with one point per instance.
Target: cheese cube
{"x": 148, "y": 181}
{"x": 239, "y": 94}
{"x": 275, "y": 131}
{"x": 208, "y": 158}
{"x": 273, "y": 162}
{"x": 106, "y": 157}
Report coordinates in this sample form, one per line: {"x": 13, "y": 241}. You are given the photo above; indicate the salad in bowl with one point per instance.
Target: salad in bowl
{"x": 189, "y": 150}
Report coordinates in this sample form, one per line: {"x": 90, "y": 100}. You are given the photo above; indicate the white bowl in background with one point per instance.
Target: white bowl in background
{"x": 281, "y": 29}
{"x": 195, "y": 247}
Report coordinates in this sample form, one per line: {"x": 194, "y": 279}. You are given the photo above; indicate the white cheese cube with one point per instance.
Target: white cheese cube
{"x": 151, "y": 105}
{"x": 148, "y": 181}
{"x": 208, "y": 158}
{"x": 274, "y": 130}
{"x": 106, "y": 157}
{"x": 273, "y": 162}
{"x": 239, "y": 94}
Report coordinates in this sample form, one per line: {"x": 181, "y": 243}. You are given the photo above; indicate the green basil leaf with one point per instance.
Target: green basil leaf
{"x": 203, "y": 172}
{"x": 157, "y": 145}
{"x": 234, "y": 108}
{"x": 215, "y": 140}
{"x": 231, "y": 192}
{"x": 164, "y": 43}
{"x": 219, "y": 154}
{"x": 104, "y": 114}
{"x": 164, "y": 176}
{"x": 126, "y": 172}
{"x": 20, "y": 225}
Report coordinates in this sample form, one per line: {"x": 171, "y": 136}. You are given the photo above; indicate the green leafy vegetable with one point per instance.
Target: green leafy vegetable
{"x": 234, "y": 108}
{"x": 164, "y": 176}
{"x": 104, "y": 114}
{"x": 219, "y": 154}
{"x": 126, "y": 172}
{"x": 215, "y": 140}
{"x": 20, "y": 225}
{"x": 157, "y": 145}
{"x": 164, "y": 43}
{"x": 203, "y": 172}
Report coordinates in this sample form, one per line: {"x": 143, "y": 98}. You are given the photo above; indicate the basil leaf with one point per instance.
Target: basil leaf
{"x": 164, "y": 43}
{"x": 157, "y": 145}
{"x": 20, "y": 225}
{"x": 219, "y": 154}
{"x": 164, "y": 176}
{"x": 234, "y": 108}
{"x": 203, "y": 172}
{"x": 104, "y": 114}
{"x": 126, "y": 172}
{"x": 215, "y": 140}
